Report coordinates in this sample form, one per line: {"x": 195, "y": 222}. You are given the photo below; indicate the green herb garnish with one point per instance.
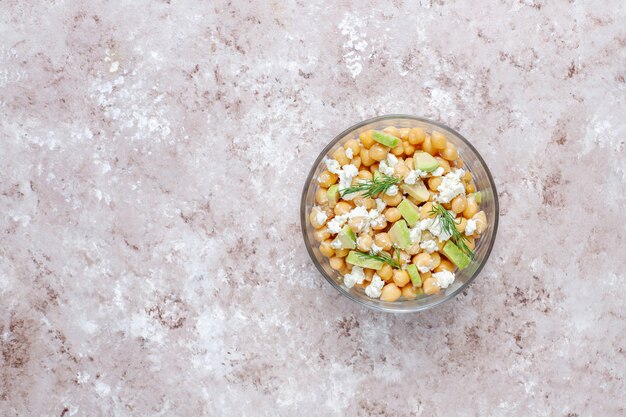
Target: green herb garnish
{"x": 373, "y": 187}
{"x": 448, "y": 225}
{"x": 383, "y": 257}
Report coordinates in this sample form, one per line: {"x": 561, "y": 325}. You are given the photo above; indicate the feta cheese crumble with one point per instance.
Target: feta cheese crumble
{"x": 470, "y": 227}
{"x": 320, "y": 217}
{"x": 391, "y": 191}
{"x": 425, "y": 268}
{"x": 444, "y": 278}
{"x": 380, "y": 205}
{"x": 349, "y": 153}
{"x": 376, "y": 248}
{"x": 386, "y": 166}
{"x": 437, "y": 173}
{"x": 332, "y": 165}
{"x": 336, "y": 223}
{"x": 375, "y": 288}
{"x": 451, "y": 186}
{"x": 355, "y": 277}
{"x": 415, "y": 234}
{"x": 429, "y": 246}
{"x": 434, "y": 226}
{"x": 347, "y": 173}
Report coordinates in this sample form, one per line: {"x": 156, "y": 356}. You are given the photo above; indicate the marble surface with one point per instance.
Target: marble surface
{"x": 153, "y": 154}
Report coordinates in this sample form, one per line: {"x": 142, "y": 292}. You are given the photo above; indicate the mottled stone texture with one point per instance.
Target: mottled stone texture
{"x": 153, "y": 154}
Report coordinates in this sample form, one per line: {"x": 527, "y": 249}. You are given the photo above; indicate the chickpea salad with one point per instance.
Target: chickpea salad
{"x": 396, "y": 213}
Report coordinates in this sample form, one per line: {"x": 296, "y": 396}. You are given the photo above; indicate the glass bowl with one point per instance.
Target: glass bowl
{"x": 482, "y": 179}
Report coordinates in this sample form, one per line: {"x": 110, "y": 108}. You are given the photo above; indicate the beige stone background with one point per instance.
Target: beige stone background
{"x": 152, "y": 157}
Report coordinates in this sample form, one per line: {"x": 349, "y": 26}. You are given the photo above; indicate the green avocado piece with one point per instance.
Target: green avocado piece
{"x": 409, "y": 211}
{"x": 333, "y": 195}
{"x": 385, "y": 139}
{"x": 346, "y": 239}
{"x": 455, "y": 255}
{"x": 418, "y": 191}
{"x": 416, "y": 279}
{"x": 478, "y": 197}
{"x": 400, "y": 235}
{"x": 361, "y": 259}
{"x": 425, "y": 162}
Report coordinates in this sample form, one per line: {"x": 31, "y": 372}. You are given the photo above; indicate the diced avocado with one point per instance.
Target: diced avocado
{"x": 416, "y": 279}
{"x": 400, "y": 235}
{"x": 478, "y": 197}
{"x": 333, "y": 195}
{"x": 385, "y": 139}
{"x": 425, "y": 162}
{"x": 409, "y": 211}
{"x": 345, "y": 238}
{"x": 362, "y": 260}
{"x": 455, "y": 255}
{"x": 418, "y": 191}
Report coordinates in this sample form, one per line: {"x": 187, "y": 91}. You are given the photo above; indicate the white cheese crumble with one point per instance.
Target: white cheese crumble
{"x": 415, "y": 234}
{"x": 387, "y": 166}
{"x": 320, "y": 216}
{"x": 375, "y": 288}
{"x": 336, "y": 223}
{"x": 355, "y": 277}
{"x": 391, "y": 191}
{"x": 335, "y": 244}
{"x": 451, "y": 186}
{"x": 429, "y": 246}
{"x": 376, "y": 248}
{"x": 437, "y": 173}
{"x": 470, "y": 227}
{"x": 349, "y": 153}
{"x": 380, "y": 205}
{"x": 332, "y": 165}
{"x": 434, "y": 226}
{"x": 425, "y": 268}
{"x": 347, "y": 173}
{"x": 444, "y": 278}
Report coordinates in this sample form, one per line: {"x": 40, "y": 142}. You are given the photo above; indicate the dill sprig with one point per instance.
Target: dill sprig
{"x": 448, "y": 224}
{"x": 383, "y": 257}
{"x": 373, "y": 187}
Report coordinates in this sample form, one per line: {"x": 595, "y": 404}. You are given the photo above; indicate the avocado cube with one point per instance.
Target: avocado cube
{"x": 425, "y": 162}
{"x": 409, "y": 211}
{"x": 455, "y": 255}
{"x": 345, "y": 239}
{"x": 416, "y": 279}
{"x": 361, "y": 259}
{"x": 385, "y": 139}
{"x": 333, "y": 195}
{"x": 418, "y": 191}
{"x": 478, "y": 197}
{"x": 400, "y": 235}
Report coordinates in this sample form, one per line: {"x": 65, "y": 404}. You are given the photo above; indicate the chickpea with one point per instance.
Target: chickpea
{"x": 366, "y": 160}
{"x": 444, "y": 164}
{"x": 341, "y": 253}
{"x": 458, "y": 163}
{"x": 430, "y": 286}
{"x": 392, "y": 130}
{"x": 450, "y": 152}
{"x": 354, "y": 145}
{"x": 367, "y": 139}
{"x": 458, "y": 203}
{"x": 427, "y": 146}
{"x": 337, "y": 263}
{"x": 342, "y": 207}
{"x": 471, "y": 209}
{"x": 373, "y": 168}
{"x": 392, "y": 200}
{"x": 356, "y": 161}
{"x": 359, "y": 201}
{"x": 445, "y": 265}
{"x": 413, "y": 249}
{"x": 481, "y": 221}
{"x": 313, "y": 218}
{"x": 400, "y": 277}
{"x": 382, "y": 240}
{"x": 326, "y": 179}
{"x": 392, "y": 214}
{"x": 438, "y": 140}
{"x": 409, "y": 149}
{"x": 425, "y": 275}
{"x": 357, "y": 224}
{"x": 467, "y": 177}
{"x": 460, "y": 225}
{"x": 434, "y": 182}
{"x": 340, "y": 156}
{"x": 386, "y": 272}
{"x": 409, "y": 163}
{"x": 369, "y": 273}
{"x": 370, "y": 203}
{"x": 364, "y": 175}
{"x": 380, "y": 225}
{"x": 390, "y": 292}
{"x": 423, "y": 260}
{"x": 364, "y": 242}
{"x": 398, "y": 150}
{"x": 321, "y": 235}
{"x": 400, "y": 170}
{"x": 409, "y": 292}
{"x": 471, "y": 242}
{"x": 416, "y": 136}
{"x": 326, "y": 249}
{"x": 378, "y": 152}
{"x": 436, "y": 260}
{"x": 425, "y": 211}
{"x": 470, "y": 188}
{"x": 320, "y": 196}
{"x": 404, "y": 133}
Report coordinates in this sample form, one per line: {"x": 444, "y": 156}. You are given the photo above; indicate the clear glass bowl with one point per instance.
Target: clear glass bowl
{"x": 482, "y": 179}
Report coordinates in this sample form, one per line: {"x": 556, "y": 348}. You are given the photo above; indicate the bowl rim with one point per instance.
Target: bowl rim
{"x": 303, "y": 216}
